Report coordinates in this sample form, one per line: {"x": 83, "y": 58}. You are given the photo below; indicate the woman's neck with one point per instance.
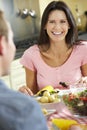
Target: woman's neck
{"x": 58, "y": 48}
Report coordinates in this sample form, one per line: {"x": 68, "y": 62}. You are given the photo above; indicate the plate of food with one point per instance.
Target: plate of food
{"x": 48, "y": 97}
{"x": 76, "y": 102}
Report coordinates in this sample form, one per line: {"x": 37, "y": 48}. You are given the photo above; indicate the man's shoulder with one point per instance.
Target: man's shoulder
{"x": 3, "y": 86}
{"x": 20, "y": 111}
{"x": 13, "y": 97}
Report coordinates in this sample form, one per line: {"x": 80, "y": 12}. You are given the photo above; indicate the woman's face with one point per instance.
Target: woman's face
{"x": 57, "y": 26}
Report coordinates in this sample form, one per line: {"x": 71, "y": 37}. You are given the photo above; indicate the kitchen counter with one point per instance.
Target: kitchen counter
{"x": 83, "y": 36}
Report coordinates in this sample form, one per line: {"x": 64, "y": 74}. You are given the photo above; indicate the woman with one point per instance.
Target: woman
{"x": 58, "y": 56}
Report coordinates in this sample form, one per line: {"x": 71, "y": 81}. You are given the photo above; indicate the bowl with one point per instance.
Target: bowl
{"x": 49, "y": 105}
{"x": 48, "y": 101}
{"x": 76, "y": 102}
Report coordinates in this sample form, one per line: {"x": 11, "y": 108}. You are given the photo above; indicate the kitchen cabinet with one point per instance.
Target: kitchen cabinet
{"x": 16, "y": 78}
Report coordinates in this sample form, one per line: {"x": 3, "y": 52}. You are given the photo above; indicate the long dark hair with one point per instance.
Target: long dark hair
{"x": 72, "y": 34}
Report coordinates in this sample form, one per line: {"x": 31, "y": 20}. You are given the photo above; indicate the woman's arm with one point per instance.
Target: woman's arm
{"x": 31, "y": 80}
{"x": 31, "y": 83}
{"x": 84, "y": 70}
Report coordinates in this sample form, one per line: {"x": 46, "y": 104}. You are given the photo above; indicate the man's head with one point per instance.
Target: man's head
{"x": 7, "y": 47}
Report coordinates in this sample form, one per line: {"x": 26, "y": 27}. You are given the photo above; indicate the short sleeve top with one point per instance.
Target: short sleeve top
{"x": 69, "y": 72}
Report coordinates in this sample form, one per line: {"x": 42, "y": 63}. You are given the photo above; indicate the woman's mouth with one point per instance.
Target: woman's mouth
{"x": 57, "y": 33}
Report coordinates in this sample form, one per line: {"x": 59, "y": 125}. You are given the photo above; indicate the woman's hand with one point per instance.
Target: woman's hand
{"x": 26, "y": 90}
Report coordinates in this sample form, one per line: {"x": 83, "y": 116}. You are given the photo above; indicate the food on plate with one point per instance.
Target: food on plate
{"x": 49, "y": 99}
{"x": 45, "y": 112}
{"x": 49, "y": 88}
{"x": 77, "y": 102}
{"x": 48, "y": 95}
{"x": 43, "y": 99}
{"x": 63, "y": 124}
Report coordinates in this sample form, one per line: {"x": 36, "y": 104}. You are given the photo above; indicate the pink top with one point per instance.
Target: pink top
{"x": 69, "y": 72}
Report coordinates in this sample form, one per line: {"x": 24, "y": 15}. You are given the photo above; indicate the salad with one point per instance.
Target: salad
{"x": 76, "y": 102}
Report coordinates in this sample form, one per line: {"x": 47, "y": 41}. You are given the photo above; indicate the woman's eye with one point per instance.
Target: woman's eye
{"x": 63, "y": 21}
{"x": 51, "y": 21}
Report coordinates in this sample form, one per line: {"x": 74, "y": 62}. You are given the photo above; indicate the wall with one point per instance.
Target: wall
{"x": 82, "y": 7}
{"x": 81, "y": 4}
{"x": 23, "y": 27}
{"x": 43, "y": 4}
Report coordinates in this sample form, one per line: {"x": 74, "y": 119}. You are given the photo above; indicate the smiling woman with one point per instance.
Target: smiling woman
{"x": 57, "y": 25}
{"x": 58, "y": 57}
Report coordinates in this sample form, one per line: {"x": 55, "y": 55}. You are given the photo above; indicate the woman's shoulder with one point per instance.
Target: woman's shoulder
{"x": 30, "y": 55}
{"x": 83, "y": 42}
{"x": 82, "y": 45}
{"x": 81, "y": 48}
{"x": 32, "y": 49}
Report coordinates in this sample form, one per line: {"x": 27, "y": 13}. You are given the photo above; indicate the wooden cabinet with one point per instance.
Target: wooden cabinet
{"x": 17, "y": 76}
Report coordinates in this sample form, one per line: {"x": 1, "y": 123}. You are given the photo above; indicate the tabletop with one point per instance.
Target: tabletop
{"x": 62, "y": 112}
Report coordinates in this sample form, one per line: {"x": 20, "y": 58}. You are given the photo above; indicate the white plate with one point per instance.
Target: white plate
{"x": 71, "y": 90}
{"x": 62, "y": 92}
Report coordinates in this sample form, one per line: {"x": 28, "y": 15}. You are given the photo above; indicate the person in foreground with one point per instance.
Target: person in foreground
{"x": 58, "y": 56}
{"x": 17, "y": 111}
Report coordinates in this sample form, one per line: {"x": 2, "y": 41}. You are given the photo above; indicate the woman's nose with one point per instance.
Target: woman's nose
{"x": 57, "y": 25}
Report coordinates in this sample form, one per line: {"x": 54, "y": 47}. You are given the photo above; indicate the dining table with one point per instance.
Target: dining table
{"x": 62, "y": 112}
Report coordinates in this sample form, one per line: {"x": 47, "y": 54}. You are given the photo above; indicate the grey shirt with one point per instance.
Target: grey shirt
{"x": 19, "y": 111}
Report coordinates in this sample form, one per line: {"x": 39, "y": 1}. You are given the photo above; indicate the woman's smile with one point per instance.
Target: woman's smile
{"x": 57, "y": 33}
